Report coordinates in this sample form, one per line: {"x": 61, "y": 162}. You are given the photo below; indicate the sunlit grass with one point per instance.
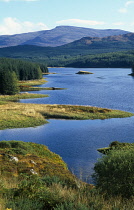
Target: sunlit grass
{"x": 53, "y": 187}
{"x": 33, "y": 82}
{"x": 14, "y": 98}
{"x": 29, "y": 85}
{"x": 17, "y": 115}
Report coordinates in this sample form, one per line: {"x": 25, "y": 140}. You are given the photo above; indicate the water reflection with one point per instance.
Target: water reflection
{"x": 76, "y": 141}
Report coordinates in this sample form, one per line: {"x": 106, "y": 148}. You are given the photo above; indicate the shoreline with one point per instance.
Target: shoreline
{"x": 20, "y": 115}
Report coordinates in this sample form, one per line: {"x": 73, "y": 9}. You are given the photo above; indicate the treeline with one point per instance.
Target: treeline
{"x": 104, "y": 60}
{"x": 124, "y": 59}
{"x": 103, "y": 55}
{"x": 23, "y": 69}
{"x": 12, "y": 70}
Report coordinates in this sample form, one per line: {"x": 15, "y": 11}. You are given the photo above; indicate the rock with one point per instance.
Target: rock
{"x": 32, "y": 171}
{"x": 31, "y": 161}
{"x": 53, "y": 88}
{"x": 12, "y": 158}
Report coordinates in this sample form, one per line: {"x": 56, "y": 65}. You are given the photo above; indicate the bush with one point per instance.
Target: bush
{"x": 15, "y": 147}
{"x": 30, "y": 190}
{"x": 5, "y": 144}
{"x": 114, "y": 173}
{"x": 50, "y": 180}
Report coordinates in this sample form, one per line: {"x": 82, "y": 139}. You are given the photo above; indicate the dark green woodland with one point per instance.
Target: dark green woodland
{"x": 12, "y": 70}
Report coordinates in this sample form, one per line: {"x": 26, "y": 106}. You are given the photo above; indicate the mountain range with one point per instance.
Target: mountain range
{"x": 58, "y": 36}
{"x": 84, "y": 46}
{"x": 73, "y": 47}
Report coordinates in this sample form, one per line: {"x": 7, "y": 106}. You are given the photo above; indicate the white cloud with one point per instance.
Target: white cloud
{"x": 80, "y": 22}
{"x": 126, "y": 7}
{"x": 119, "y": 23}
{"x": 14, "y": 26}
{"x": 129, "y": 3}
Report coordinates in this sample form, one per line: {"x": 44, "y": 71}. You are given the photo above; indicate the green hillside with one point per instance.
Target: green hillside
{"x": 112, "y": 51}
{"x": 34, "y": 178}
{"x": 124, "y": 59}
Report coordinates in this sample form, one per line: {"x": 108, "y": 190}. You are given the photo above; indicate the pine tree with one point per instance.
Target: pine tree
{"x": 8, "y": 83}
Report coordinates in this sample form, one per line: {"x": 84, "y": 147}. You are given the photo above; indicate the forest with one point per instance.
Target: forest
{"x": 77, "y": 54}
{"x": 123, "y": 59}
{"x": 105, "y": 60}
{"x": 12, "y": 70}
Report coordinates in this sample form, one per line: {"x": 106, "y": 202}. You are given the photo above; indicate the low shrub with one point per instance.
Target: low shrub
{"x": 5, "y": 144}
{"x": 114, "y": 173}
{"x": 71, "y": 206}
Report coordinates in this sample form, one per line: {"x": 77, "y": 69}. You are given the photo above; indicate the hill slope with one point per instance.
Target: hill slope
{"x": 84, "y": 46}
{"x": 123, "y": 42}
{"x": 55, "y": 37}
{"x": 111, "y": 51}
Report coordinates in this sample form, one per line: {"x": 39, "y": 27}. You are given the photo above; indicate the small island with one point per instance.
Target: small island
{"x": 84, "y": 72}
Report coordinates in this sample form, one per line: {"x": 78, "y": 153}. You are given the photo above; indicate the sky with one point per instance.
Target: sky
{"x": 22, "y": 16}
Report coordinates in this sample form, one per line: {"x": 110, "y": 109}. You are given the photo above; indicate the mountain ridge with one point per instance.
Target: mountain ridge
{"x": 57, "y": 36}
{"x": 120, "y": 51}
{"x": 91, "y": 41}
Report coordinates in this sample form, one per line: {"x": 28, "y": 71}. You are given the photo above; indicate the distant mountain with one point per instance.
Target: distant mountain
{"x": 118, "y": 42}
{"x": 58, "y": 36}
{"x": 72, "y": 54}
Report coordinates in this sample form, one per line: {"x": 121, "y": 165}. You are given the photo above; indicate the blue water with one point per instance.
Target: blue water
{"x": 76, "y": 141}
{"x": 111, "y": 88}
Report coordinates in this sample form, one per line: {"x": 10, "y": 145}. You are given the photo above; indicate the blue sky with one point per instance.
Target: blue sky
{"x": 20, "y": 16}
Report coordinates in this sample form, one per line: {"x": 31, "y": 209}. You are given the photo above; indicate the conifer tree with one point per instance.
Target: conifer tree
{"x": 8, "y": 83}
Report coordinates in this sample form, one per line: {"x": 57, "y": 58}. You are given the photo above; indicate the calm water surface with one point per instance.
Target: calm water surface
{"x": 111, "y": 88}
{"x": 76, "y": 141}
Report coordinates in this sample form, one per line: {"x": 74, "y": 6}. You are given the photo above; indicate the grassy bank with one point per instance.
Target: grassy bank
{"x": 14, "y": 98}
{"x": 33, "y": 161}
{"x": 33, "y": 82}
{"x": 29, "y": 85}
{"x": 31, "y": 88}
{"x": 39, "y": 179}
{"x": 116, "y": 146}
{"x": 13, "y": 115}
{"x": 19, "y": 115}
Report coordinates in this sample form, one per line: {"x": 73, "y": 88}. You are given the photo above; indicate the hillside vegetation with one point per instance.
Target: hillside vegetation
{"x": 114, "y": 172}
{"x": 12, "y": 70}
{"x": 23, "y": 70}
{"x": 34, "y": 178}
{"x": 104, "y": 60}
{"x": 112, "y": 51}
